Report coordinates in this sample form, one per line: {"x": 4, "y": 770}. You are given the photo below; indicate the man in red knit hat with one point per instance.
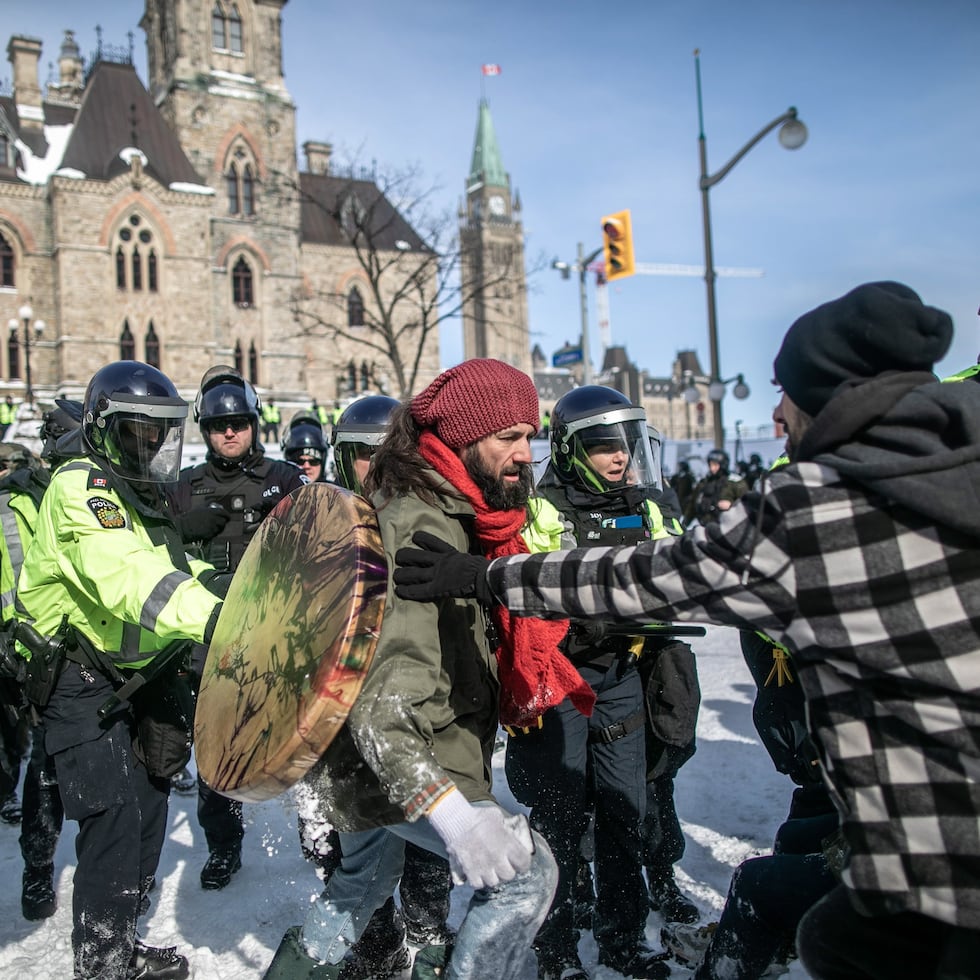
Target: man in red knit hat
{"x": 413, "y": 761}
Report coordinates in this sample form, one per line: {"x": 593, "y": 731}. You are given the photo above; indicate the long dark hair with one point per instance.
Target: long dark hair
{"x": 397, "y": 468}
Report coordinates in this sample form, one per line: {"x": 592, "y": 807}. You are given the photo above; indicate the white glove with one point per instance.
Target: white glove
{"x": 487, "y": 846}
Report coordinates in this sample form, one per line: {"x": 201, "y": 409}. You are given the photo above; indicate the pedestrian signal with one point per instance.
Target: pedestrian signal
{"x": 617, "y": 245}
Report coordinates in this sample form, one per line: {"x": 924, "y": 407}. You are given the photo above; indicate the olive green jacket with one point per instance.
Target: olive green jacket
{"x": 426, "y": 717}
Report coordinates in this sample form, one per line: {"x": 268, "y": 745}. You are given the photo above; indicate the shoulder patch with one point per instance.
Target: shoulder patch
{"x": 106, "y": 512}
{"x": 97, "y": 480}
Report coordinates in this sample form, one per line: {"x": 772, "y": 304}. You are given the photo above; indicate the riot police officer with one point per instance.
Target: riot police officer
{"x": 717, "y": 491}
{"x": 356, "y": 435}
{"x": 601, "y": 487}
{"x": 220, "y": 504}
{"x": 305, "y": 445}
{"x": 107, "y": 582}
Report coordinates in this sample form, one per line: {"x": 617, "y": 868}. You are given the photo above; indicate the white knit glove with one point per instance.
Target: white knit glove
{"x": 487, "y": 846}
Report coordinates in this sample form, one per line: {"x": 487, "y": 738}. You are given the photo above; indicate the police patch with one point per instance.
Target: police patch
{"x": 106, "y": 512}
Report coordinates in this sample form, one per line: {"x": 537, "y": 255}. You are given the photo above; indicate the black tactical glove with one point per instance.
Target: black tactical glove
{"x": 202, "y": 524}
{"x": 439, "y": 571}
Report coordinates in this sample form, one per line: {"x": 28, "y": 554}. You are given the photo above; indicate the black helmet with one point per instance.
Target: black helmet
{"x": 304, "y": 437}
{"x": 593, "y": 416}
{"x": 225, "y": 394}
{"x": 720, "y": 457}
{"x": 64, "y": 418}
{"x": 360, "y": 429}
{"x": 134, "y": 422}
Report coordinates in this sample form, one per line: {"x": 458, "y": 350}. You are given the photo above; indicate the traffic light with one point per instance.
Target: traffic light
{"x": 617, "y": 244}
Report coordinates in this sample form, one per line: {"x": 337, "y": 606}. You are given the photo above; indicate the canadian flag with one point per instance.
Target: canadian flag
{"x": 491, "y": 69}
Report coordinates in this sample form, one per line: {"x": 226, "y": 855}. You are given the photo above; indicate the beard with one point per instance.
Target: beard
{"x": 498, "y": 494}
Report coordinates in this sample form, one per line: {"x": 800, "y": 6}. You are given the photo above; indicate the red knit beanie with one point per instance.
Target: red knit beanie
{"x": 474, "y": 399}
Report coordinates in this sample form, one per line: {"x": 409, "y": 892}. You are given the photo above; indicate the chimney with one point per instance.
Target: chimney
{"x": 317, "y": 156}
{"x": 24, "y": 54}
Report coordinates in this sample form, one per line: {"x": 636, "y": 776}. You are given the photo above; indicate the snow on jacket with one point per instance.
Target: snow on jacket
{"x": 863, "y": 558}
{"x": 426, "y": 717}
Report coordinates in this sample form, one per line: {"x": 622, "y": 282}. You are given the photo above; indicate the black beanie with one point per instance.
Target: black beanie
{"x": 877, "y": 327}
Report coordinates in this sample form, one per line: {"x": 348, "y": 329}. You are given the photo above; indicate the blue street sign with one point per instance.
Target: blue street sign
{"x": 565, "y": 356}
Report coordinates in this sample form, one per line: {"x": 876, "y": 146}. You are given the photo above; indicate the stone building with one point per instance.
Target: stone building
{"x": 171, "y": 222}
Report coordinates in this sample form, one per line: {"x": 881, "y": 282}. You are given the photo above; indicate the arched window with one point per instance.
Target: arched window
{"x": 235, "y": 30}
{"x": 248, "y": 191}
{"x": 137, "y": 263}
{"x": 152, "y": 344}
{"x": 238, "y": 356}
{"x": 226, "y": 28}
{"x": 355, "y": 308}
{"x": 352, "y": 377}
{"x": 241, "y": 284}
{"x": 13, "y": 355}
{"x": 253, "y": 364}
{"x": 240, "y": 182}
{"x": 127, "y": 344}
{"x": 6, "y": 263}
{"x": 365, "y": 376}
{"x": 137, "y": 269}
{"x": 218, "y": 27}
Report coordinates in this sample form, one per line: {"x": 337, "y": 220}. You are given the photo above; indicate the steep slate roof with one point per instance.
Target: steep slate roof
{"x": 323, "y": 196}
{"x": 117, "y": 112}
{"x": 486, "y": 167}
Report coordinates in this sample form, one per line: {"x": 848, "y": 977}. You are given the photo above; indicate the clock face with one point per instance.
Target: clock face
{"x": 496, "y": 205}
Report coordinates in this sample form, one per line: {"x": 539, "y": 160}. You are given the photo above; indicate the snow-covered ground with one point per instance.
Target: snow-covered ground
{"x": 729, "y": 796}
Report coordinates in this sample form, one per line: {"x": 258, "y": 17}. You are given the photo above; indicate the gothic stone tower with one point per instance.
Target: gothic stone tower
{"x": 215, "y": 72}
{"x": 492, "y": 268}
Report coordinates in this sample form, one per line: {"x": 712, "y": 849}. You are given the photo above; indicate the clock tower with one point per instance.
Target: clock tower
{"x": 492, "y": 257}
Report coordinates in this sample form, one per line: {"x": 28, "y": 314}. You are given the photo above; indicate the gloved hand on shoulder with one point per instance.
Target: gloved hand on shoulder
{"x": 202, "y": 524}
{"x": 436, "y": 570}
{"x": 487, "y": 846}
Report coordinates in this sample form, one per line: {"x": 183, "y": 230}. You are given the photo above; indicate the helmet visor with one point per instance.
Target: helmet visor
{"x": 141, "y": 441}
{"x": 614, "y": 454}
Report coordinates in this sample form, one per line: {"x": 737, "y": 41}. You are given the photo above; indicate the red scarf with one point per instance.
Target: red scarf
{"x": 534, "y": 673}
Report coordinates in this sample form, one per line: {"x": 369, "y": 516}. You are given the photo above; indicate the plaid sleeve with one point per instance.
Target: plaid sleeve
{"x": 733, "y": 573}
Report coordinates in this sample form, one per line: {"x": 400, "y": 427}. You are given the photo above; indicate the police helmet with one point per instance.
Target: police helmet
{"x": 720, "y": 457}
{"x": 63, "y": 420}
{"x": 225, "y": 394}
{"x": 133, "y": 421}
{"x": 304, "y": 437}
{"x": 593, "y": 417}
{"x": 360, "y": 430}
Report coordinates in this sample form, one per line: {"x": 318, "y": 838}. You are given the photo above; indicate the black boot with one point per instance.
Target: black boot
{"x": 635, "y": 959}
{"x": 38, "y": 899}
{"x": 667, "y": 899}
{"x": 220, "y": 866}
{"x": 10, "y": 811}
{"x": 148, "y": 962}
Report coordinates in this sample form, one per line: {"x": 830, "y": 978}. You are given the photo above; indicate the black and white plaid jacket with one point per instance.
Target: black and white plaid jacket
{"x": 880, "y": 605}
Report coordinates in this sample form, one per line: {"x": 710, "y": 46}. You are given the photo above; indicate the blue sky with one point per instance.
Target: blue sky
{"x": 595, "y": 111}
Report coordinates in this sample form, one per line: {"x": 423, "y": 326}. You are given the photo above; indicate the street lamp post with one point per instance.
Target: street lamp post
{"x": 26, "y": 313}
{"x": 792, "y": 136}
{"x": 581, "y": 265}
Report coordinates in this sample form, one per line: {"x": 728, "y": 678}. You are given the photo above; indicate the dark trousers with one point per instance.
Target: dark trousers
{"x": 43, "y": 811}
{"x": 835, "y": 942}
{"x": 13, "y": 738}
{"x": 560, "y": 773}
{"x": 220, "y": 818}
{"x": 663, "y": 839}
{"x": 766, "y": 900}
{"x": 122, "y": 821}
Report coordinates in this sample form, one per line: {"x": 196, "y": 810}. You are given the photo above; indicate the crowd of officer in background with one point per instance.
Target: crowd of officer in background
{"x": 105, "y": 636}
